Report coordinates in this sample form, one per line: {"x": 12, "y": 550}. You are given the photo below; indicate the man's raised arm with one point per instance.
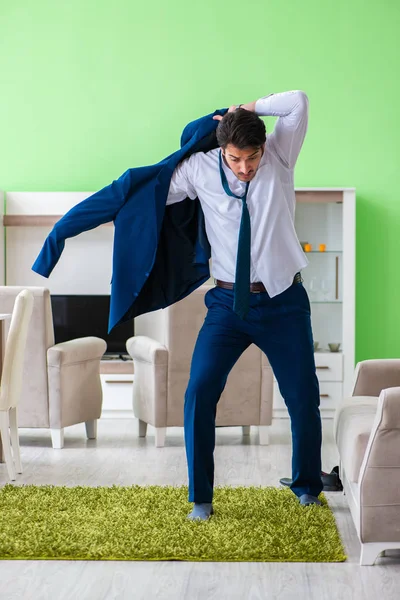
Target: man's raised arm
{"x": 291, "y": 127}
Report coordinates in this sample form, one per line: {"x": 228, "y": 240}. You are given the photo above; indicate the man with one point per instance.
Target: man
{"x": 170, "y": 260}
{"x": 246, "y": 191}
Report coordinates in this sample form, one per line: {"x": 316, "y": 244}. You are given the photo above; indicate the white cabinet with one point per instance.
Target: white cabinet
{"x": 329, "y": 366}
{"x": 325, "y": 223}
{"x": 117, "y": 383}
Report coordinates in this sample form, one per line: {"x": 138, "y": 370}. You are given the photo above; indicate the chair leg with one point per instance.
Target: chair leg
{"x": 246, "y": 429}
{"x": 263, "y": 432}
{"x": 15, "y": 439}
{"x": 161, "y": 432}
{"x": 142, "y": 427}
{"x": 91, "y": 429}
{"x": 57, "y": 438}
{"x": 5, "y": 438}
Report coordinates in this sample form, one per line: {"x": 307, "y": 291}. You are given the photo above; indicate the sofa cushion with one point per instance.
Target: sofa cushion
{"x": 352, "y": 427}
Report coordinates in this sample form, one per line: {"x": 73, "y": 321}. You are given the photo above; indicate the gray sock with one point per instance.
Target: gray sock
{"x": 307, "y": 499}
{"x": 201, "y": 511}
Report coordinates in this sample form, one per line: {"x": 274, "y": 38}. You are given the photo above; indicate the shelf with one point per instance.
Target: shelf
{"x": 325, "y": 252}
{"x": 319, "y": 196}
{"x": 314, "y": 196}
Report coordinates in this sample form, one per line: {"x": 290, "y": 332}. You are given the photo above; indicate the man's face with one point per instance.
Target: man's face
{"x": 244, "y": 163}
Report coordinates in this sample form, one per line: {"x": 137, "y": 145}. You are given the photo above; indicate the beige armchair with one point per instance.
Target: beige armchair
{"x": 61, "y": 383}
{"x": 367, "y": 433}
{"x": 162, "y": 350}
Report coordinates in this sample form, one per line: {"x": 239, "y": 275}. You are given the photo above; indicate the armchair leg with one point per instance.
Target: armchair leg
{"x": 161, "y": 432}
{"x": 91, "y": 429}
{"x": 263, "y": 431}
{"x": 142, "y": 428}
{"x": 57, "y": 438}
{"x": 15, "y": 439}
{"x": 5, "y": 438}
{"x": 246, "y": 429}
{"x": 370, "y": 552}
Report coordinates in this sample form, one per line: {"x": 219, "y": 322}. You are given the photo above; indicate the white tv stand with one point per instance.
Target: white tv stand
{"x": 116, "y": 380}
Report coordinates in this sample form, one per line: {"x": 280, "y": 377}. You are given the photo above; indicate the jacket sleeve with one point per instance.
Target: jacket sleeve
{"x": 101, "y": 207}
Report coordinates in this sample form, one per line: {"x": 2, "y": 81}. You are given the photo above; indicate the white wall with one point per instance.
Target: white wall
{"x": 85, "y": 265}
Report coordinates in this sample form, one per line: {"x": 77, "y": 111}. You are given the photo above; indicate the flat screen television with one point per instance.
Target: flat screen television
{"x": 77, "y": 316}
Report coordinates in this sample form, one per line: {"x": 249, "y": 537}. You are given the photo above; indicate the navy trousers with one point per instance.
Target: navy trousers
{"x": 281, "y": 328}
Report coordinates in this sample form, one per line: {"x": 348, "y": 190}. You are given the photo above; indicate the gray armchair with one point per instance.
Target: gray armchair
{"x": 61, "y": 382}
{"x": 367, "y": 433}
{"x": 162, "y": 350}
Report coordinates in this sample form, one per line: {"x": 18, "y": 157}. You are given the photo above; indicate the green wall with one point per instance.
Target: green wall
{"x": 90, "y": 88}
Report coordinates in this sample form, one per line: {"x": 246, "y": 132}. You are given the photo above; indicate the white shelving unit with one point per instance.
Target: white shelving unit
{"x": 328, "y": 216}
{"x": 323, "y": 215}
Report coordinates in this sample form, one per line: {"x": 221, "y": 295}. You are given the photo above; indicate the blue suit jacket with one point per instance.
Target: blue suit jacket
{"x": 161, "y": 252}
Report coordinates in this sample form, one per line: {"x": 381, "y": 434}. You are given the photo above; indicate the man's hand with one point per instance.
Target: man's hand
{"x": 250, "y": 106}
{"x": 231, "y": 109}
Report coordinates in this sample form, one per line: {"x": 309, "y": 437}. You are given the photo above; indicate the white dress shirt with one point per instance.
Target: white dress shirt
{"x": 276, "y": 254}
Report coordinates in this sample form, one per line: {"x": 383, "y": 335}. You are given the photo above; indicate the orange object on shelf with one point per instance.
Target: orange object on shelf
{"x": 307, "y": 247}
{"x": 322, "y": 247}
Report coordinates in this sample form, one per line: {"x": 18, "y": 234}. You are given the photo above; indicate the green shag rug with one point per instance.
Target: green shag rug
{"x": 149, "y": 523}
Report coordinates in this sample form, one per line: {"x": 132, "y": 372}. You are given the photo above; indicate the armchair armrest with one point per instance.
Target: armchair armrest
{"x": 76, "y": 351}
{"x": 150, "y": 359}
{"x": 373, "y": 376}
{"x": 379, "y": 478}
{"x": 145, "y": 349}
{"x": 388, "y": 410}
{"x": 73, "y": 372}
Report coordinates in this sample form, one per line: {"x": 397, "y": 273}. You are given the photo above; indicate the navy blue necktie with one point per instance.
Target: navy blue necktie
{"x": 242, "y": 276}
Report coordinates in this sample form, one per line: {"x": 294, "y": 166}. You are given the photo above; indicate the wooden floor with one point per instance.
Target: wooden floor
{"x": 119, "y": 457}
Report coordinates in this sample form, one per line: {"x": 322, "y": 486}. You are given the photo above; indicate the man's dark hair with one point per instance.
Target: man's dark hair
{"x": 241, "y": 128}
